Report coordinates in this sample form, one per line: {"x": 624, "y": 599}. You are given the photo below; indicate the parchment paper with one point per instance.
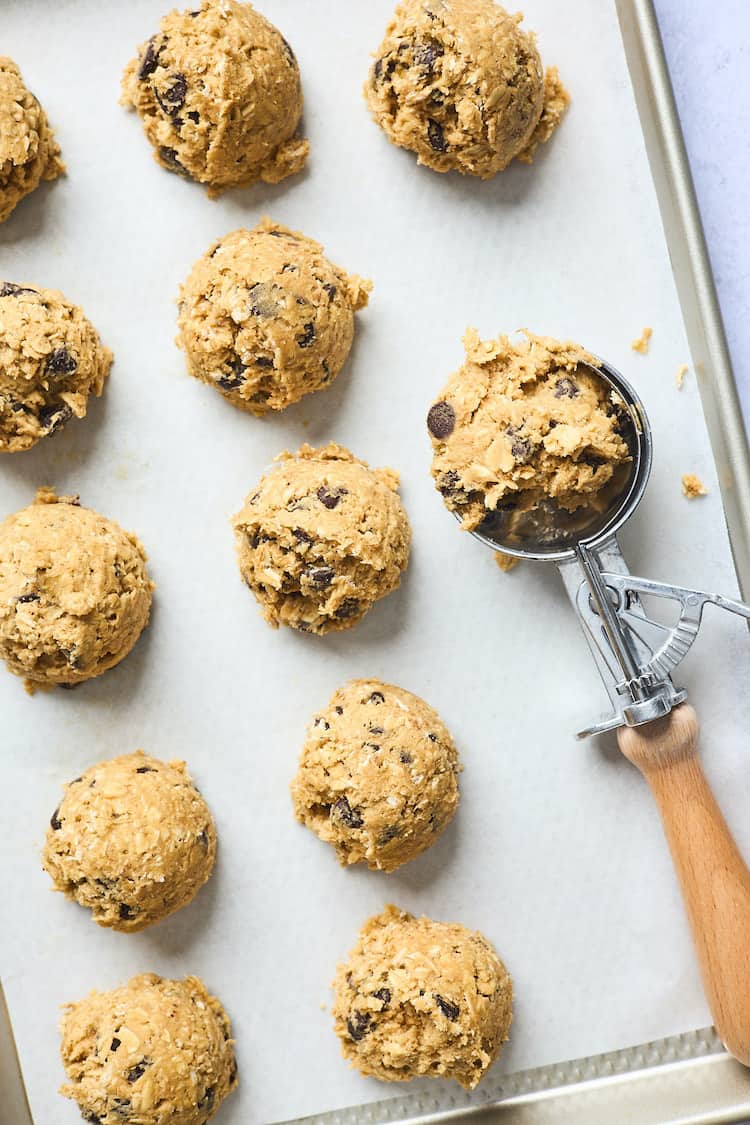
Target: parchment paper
{"x": 556, "y": 852}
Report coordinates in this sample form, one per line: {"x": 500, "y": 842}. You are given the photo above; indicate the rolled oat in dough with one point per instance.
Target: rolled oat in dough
{"x": 154, "y": 1051}
{"x": 29, "y": 152}
{"x": 51, "y": 360}
{"x": 522, "y": 422}
{"x": 421, "y": 998}
{"x": 378, "y": 775}
{"x": 218, "y": 91}
{"x": 132, "y": 840}
{"x": 322, "y": 538}
{"x": 265, "y": 318}
{"x": 74, "y": 591}
{"x": 461, "y": 84}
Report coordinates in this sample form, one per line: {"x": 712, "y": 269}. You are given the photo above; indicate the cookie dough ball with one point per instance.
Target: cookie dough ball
{"x": 29, "y": 152}
{"x": 461, "y": 84}
{"x": 51, "y": 360}
{"x": 218, "y": 91}
{"x": 266, "y": 318}
{"x": 378, "y": 775}
{"x": 132, "y": 840}
{"x": 521, "y": 423}
{"x": 74, "y": 591}
{"x": 321, "y": 539}
{"x": 155, "y": 1051}
{"x": 419, "y": 998}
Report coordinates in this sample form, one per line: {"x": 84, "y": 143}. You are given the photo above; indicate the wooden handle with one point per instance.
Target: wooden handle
{"x": 713, "y": 877}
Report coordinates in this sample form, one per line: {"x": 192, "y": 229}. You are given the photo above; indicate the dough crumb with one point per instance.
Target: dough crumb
{"x": 641, "y": 345}
{"x": 693, "y": 486}
{"x": 506, "y": 562}
{"x": 680, "y": 375}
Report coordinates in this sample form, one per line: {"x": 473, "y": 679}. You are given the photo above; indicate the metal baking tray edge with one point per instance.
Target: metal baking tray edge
{"x": 687, "y": 1079}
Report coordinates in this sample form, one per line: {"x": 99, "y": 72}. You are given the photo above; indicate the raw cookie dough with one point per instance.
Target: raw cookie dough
{"x": 461, "y": 84}
{"x": 155, "y": 1052}
{"x": 422, "y": 998}
{"x": 29, "y": 152}
{"x": 522, "y": 422}
{"x": 218, "y": 91}
{"x": 322, "y": 538}
{"x": 74, "y": 591}
{"x": 132, "y": 840}
{"x": 51, "y": 360}
{"x": 266, "y": 318}
{"x": 378, "y": 775}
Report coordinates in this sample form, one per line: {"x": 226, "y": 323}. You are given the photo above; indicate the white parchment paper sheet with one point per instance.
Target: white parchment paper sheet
{"x": 556, "y": 852}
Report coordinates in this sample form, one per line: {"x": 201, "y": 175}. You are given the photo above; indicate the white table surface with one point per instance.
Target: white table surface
{"x": 707, "y": 43}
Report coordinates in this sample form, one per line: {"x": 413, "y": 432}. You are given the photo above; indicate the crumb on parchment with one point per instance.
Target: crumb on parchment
{"x": 506, "y": 562}
{"x": 693, "y": 486}
{"x": 680, "y": 374}
{"x": 641, "y": 345}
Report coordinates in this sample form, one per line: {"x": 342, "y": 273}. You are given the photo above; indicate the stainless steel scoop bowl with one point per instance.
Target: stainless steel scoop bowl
{"x": 634, "y": 653}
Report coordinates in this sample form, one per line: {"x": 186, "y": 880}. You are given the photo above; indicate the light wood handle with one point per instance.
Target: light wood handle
{"x": 713, "y": 877}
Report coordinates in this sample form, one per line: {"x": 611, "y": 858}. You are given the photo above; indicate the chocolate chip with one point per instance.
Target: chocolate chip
{"x": 52, "y": 417}
{"x": 593, "y": 460}
{"x": 329, "y": 497}
{"x": 169, "y": 156}
{"x": 90, "y": 1116}
{"x": 115, "y": 1044}
{"x": 520, "y": 448}
{"x": 348, "y": 608}
{"x": 301, "y": 536}
{"x": 22, "y": 599}
{"x": 426, "y": 55}
{"x": 566, "y": 388}
{"x": 377, "y": 70}
{"x": 436, "y": 136}
{"x": 203, "y": 838}
{"x": 376, "y": 730}
{"x": 236, "y": 376}
{"x": 17, "y": 407}
{"x": 206, "y": 1104}
{"x": 55, "y": 821}
{"x": 307, "y": 337}
{"x": 441, "y": 419}
{"x": 432, "y": 737}
{"x": 61, "y": 362}
{"x": 406, "y": 758}
{"x": 263, "y": 361}
{"x": 331, "y": 290}
{"x": 371, "y": 746}
{"x": 450, "y": 484}
{"x": 341, "y": 810}
{"x": 384, "y": 995}
{"x": 173, "y": 98}
{"x": 358, "y": 1025}
{"x": 321, "y": 576}
{"x": 126, "y": 912}
{"x": 10, "y": 289}
{"x": 150, "y": 60}
{"x": 388, "y": 834}
{"x": 289, "y": 52}
{"x": 377, "y": 697}
{"x": 137, "y": 1071}
{"x": 449, "y": 1010}
{"x": 145, "y": 769}
{"x": 339, "y": 710}
{"x": 193, "y": 115}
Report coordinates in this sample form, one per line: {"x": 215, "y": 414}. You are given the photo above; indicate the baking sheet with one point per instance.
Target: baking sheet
{"x": 556, "y": 852}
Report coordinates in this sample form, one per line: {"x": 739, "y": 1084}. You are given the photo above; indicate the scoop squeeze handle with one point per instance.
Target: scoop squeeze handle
{"x": 713, "y": 876}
